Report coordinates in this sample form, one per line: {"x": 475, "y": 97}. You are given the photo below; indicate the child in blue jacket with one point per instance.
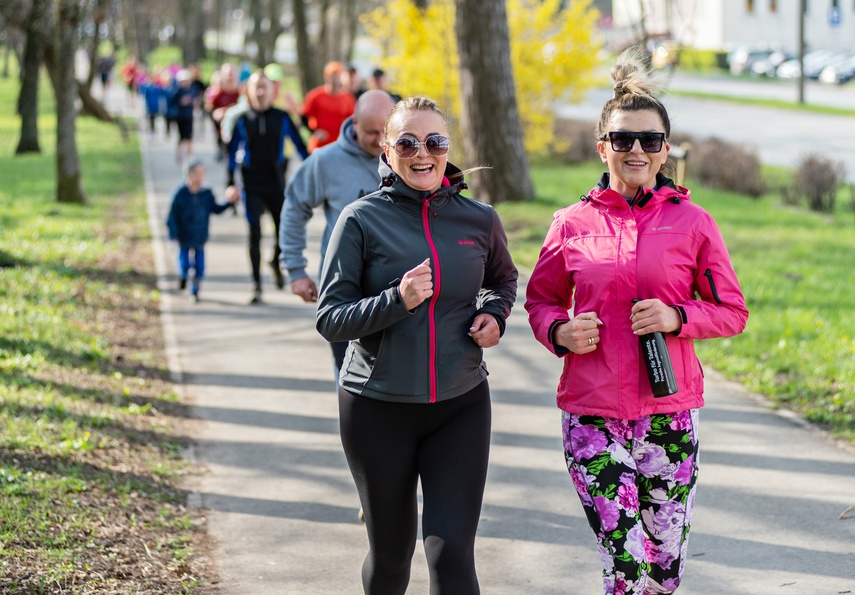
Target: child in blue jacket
{"x": 155, "y": 100}
{"x": 189, "y": 215}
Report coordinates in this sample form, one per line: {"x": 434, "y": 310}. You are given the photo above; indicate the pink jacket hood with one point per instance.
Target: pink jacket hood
{"x": 602, "y": 253}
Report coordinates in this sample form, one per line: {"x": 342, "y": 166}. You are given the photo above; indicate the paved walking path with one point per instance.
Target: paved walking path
{"x": 282, "y": 507}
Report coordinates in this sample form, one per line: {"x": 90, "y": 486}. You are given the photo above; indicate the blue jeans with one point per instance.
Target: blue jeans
{"x": 197, "y": 263}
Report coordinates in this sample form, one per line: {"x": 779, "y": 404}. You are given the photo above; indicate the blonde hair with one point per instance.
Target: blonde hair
{"x": 413, "y": 104}
{"x": 635, "y": 89}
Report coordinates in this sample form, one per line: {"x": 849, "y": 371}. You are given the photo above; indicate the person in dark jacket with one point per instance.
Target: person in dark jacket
{"x": 258, "y": 144}
{"x": 419, "y": 280}
{"x": 188, "y": 222}
{"x": 634, "y": 257}
{"x": 182, "y": 105}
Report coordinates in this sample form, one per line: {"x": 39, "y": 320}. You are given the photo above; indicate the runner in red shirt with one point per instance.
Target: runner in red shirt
{"x": 220, "y": 99}
{"x": 325, "y": 108}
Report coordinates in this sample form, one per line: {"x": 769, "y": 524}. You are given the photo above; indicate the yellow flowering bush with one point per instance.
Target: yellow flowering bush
{"x": 553, "y": 55}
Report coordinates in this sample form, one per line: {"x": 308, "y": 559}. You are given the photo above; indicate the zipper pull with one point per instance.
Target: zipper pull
{"x": 427, "y": 205}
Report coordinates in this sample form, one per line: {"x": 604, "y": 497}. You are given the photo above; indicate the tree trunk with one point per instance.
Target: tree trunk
{"x": 217, "y": 21}
{"x": 310, "y": 75}
{"x": 98, "y": 16}
{"x": 28, "y": 100}
{"x": 95, "y": 108}
{"x": 197, "y": 42}
{"x": 260, "y": 30}
{"x": 266, "y": 29}
{"x": 322, "y": 46}
{"x": 59, "y": 59}
{"x": 490, "y": 121}
{"x": 192, "y": 28}
{"x": 274, "y": 12}
{"x": 351, "y": 24}
{"x": 137, "y": 29}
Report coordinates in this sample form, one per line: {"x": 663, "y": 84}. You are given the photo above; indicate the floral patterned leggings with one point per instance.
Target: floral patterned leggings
{"x": 636, "y": 480}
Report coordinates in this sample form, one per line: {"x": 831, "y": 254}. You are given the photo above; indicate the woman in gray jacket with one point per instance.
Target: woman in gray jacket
{"x": 419, "y": 280}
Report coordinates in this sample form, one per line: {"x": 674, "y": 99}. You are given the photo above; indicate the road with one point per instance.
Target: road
{"x": 780, "y": 136}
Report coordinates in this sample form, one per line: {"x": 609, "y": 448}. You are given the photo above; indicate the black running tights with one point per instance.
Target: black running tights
{"x": 389, "y": 448}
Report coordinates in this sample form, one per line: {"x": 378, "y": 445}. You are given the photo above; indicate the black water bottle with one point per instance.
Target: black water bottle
{"x": 657, "y": 361}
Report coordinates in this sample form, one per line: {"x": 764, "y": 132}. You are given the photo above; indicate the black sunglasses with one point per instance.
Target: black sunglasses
{"x": 622, "y": 142}
{"x": 435, "y": 145}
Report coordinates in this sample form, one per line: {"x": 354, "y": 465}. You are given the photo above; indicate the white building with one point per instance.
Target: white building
{"x": 723, "y": 24}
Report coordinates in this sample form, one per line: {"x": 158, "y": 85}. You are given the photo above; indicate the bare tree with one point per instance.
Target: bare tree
{"x": 58, "y": 31}
{"x": 492, "y": 131}
{"x": 190, "y": 31}
{"x": 28, "y": 98}
{"x": 266, "y": 28}
{"x": 337, "y": 23}
{"x": 138, "y": 19}
{"x": 310, "y": 74}
{"x": 350, "y": 26}
{"x": 59, "y": 58}
{"x": 98, "y": 18}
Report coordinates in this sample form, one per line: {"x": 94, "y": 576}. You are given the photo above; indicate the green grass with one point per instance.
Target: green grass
{"x": 88, "y": 454}
{"x": 795, "y": 268}
{"x": 772, "y": 103}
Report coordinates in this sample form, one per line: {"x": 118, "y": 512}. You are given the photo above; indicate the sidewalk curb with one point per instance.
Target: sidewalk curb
{"x": 170, "y": 335}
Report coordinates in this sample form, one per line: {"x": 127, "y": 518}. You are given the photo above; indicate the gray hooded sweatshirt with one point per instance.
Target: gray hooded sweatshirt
{"x": 333, "y": 176}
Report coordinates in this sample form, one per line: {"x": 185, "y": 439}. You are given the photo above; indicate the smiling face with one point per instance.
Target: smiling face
{"x": 636, "y": 168}
{"x": 424, "y": 171}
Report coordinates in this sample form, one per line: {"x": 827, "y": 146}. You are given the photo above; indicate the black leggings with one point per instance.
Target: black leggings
{"x": 389, "y": 447}
{"x": 257, "y": 204}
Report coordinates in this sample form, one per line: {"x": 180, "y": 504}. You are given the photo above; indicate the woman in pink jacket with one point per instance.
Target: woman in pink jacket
{"x": 634, "y": 257}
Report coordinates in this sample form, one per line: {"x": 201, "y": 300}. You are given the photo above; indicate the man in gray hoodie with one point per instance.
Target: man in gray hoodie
{"x": 332, "y": 177}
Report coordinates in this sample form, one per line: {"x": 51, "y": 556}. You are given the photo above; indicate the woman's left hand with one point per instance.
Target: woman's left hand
{"x": 485, "y": 330}
{"x": 649, "y": 316}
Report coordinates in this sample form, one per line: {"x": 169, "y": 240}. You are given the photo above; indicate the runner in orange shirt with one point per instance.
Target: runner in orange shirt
{"x": 325, "y": 108}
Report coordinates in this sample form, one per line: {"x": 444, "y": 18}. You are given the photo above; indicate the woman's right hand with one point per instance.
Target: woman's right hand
{"x": 579, "y": 335}
{"x": 416, "y": 285}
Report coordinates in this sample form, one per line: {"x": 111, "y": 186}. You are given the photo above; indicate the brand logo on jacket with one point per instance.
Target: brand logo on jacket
{"x": 663, "y": 228}
{"x": 466, "y": 242}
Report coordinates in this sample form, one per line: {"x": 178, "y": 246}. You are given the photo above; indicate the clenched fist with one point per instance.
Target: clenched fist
{"x": 416, "y": 285}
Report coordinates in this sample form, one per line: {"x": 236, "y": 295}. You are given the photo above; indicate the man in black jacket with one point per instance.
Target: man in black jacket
{"x": 258, "y": 145}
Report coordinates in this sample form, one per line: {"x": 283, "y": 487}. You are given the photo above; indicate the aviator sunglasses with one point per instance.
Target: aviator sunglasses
{"x": 406, "y": 147}
{"x": 622, "y": 142}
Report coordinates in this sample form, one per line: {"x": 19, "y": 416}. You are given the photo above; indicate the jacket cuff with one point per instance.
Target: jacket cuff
{"x": 559, "y": 350}
{"x": 294, "y": 274}
{"x": 684, "y": 319}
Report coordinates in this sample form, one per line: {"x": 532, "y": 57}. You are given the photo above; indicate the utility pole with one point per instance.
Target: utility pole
{"x": 802, "y": 10}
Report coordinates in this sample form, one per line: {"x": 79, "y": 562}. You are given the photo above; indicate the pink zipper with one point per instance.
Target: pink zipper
{"x": 437, "y": 284}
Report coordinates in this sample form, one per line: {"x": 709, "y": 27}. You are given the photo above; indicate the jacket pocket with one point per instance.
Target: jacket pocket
{"x": 708, "y": 274}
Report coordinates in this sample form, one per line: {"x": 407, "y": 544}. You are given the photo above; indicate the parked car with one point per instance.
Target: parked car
{"x": 815, "y": 61}
{"x": 741, "y": 59}
{"x": 837, "y": 74}
{"x": 768, "y": 66}
{"x": 838, "y": 57}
